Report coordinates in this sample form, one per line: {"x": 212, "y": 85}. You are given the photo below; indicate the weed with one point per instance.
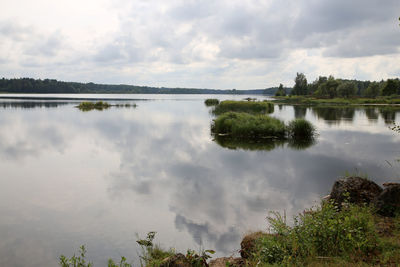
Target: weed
{"x": 75, "y": 261}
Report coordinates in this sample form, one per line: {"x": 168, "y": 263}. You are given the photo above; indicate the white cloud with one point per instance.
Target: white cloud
{"x": 191, "y": 43}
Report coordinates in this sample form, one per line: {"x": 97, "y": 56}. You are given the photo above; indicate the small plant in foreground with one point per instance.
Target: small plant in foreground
{"x": 75, "y": 261}
{"x": 324, "y": 232}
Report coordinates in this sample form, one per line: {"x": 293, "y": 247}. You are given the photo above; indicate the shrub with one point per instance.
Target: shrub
{"x": 243, "y": 125}
{"x": 301, "y": 129}
{"x": 211, "y": 102}
{"x": 244, "y": 106}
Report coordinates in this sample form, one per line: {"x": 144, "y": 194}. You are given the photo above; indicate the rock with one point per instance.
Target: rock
{"x": 359, "y": 190}
{"x": 177, "y": 260}
{"x": 227, "y": 261}
{"x": 387, "y": 202}
{"x": 248, "y": 244}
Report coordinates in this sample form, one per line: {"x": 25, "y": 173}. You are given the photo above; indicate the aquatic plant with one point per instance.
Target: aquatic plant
{"x": 255, "y": 107}
{"x": 211, "y": 102}
{"x": 248, "y": 126}
{"x": 87, "y": 106}
{"x": 300, "y": 129}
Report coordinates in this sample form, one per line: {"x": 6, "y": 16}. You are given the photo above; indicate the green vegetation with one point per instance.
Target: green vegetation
{"x": 255, "y": 107}
{"x": 151, "y": 256}
{"x": 87, "y": 106}
{"x": 211, "y": 102}
{"x": 281, "y": 91}
{"x": 244, "y": 126}
{"x": 254, "y": 127}
{"x": 46, "y": 86}
{"x": 312, "y": 100}
{"x": 351, "y": 236}
{"x": 329, "y": 87}
{"x": 300, "y": 129}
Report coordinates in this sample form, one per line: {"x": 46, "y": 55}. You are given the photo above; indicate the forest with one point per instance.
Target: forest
{"x": 47, "y": 86}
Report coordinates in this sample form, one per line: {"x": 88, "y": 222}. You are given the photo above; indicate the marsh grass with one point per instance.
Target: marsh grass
{"x": 211, "y": 102}
{"x": 248, "y": 126}
{"x": 301, "y": 129}
{"x": 254, "y": 107}
{"x": 87, "y": 106}
{"x": 235, "y": 129}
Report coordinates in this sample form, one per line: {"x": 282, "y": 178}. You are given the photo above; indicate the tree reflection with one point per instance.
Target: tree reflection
{"x": 334, "y": 114}
{"x": 31, "y": 104}
{"x": 299, "y": 111}
{"x": 388, "y": 114}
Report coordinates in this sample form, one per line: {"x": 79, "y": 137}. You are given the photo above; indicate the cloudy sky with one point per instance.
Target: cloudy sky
{"x": 199, "y": 43}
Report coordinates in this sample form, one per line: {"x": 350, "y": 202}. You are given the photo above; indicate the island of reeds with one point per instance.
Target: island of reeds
{"x": 248, "y": 122}
{"x": 100, "y": 105}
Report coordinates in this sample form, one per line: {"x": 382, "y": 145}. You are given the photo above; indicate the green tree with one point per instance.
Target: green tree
{"x": 331, "y": 86}
{"x": 389, "y": 87}
{"x": 281, "y": 91}
{"x": 300, "y": 86}
{"x": 372, "y": 90}
{"x": 346, "y": 89}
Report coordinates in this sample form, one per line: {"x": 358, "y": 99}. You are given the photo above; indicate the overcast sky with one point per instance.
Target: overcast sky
{"x": 199, "y": 43}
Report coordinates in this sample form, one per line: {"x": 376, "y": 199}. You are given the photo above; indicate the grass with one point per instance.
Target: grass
{"x": 87, "y": 106}
{"x": 254, "y": 107}
{"x": 301, "y": 129}
{"x": 308, "y": 100}
{"x": 248, "y": 126}
{"x": 326, "y": 236}
{"x": 211, "y": 102}
{"x": 251, "y": 128}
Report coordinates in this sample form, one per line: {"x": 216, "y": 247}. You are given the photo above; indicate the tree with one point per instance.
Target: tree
{"x": 300, "y": 86}
{"x": 281, "y": 91}
{"x": 372, "y": 90}
{"x": 389, "y": 87}
{"x": 331, "y": 86}
{"x": 346, "y": 89}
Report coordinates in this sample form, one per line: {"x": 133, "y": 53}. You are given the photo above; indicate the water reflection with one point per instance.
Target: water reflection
{"x": 388, "y": 114}
{"x": 299, "y": 111}
{"x": 31, "y": 104}
{"x": 71, "y": 178}
{"x": 266, "y": 145}
{"x": 334, "y": 115}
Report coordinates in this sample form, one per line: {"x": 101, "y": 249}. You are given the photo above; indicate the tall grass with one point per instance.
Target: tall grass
{"x": 243, "y": 125}
{"x": 100, "y": 105}
{"x": 211, "y": 102}
{"x": 349, "y": 235}
{"x": 300, "y": 129}
{"x": 254, "y": 107}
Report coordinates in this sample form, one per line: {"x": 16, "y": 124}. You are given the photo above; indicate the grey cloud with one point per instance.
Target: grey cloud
{"x": 48, "y": 46}
{"x": 15, "y": 31}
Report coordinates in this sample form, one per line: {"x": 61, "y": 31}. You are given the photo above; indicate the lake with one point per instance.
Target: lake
{"x": 103, "y": 178}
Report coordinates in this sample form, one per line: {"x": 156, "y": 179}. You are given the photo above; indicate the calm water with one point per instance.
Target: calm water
{"x": 101, "y": 178}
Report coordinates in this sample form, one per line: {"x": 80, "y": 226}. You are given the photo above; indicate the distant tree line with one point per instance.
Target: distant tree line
{"x": 29, "y": 85}
{"x": 329, "y": 87}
